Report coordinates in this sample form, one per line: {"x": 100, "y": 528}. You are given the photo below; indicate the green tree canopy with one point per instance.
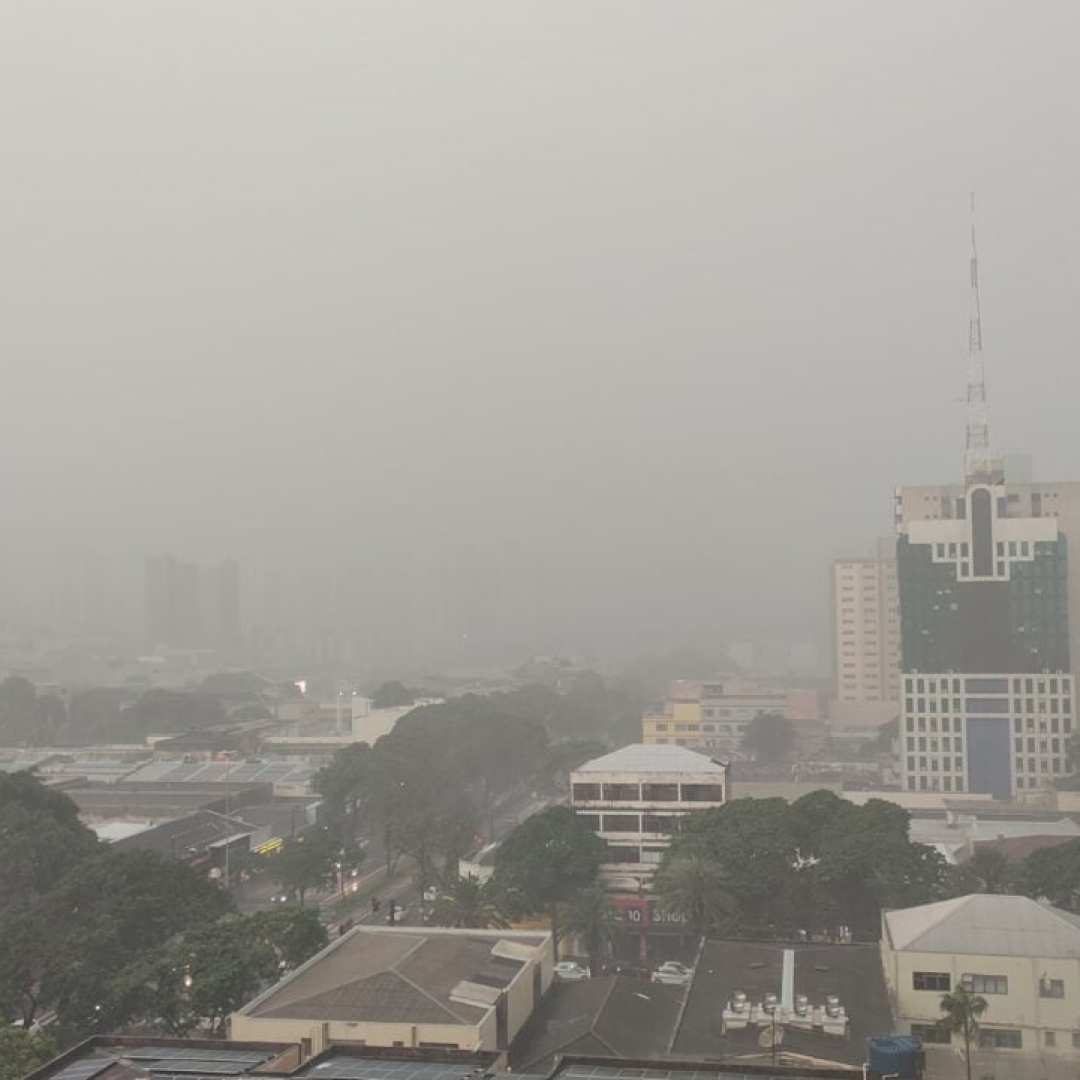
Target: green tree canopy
{"x": 23, "y": 1051}
{"x": 1053, "y": 874}
{"x": 769, "y": 737}
{"x": 547, "y": 859}
{"x": 392, "y": 695}
{"x": 697, "y": 889}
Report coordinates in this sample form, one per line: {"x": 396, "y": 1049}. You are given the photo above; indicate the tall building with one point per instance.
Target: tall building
{"x": 985, "y": 603}
{"x": 866, "y": 627}
{"x": 188, "y": 606}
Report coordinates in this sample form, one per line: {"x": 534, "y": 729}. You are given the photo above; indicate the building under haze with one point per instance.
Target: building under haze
{"x": 188, "y": 606}
{"x": 986, "y": 597}
{"x": 866, "y": 627}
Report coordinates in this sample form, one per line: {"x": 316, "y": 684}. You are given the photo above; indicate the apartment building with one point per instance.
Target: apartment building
{"x": 635, "y": 798}
{"x": 866, "y": 627}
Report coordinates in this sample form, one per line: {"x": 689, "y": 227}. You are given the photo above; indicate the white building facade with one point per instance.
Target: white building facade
{"x": 635, "y": 798}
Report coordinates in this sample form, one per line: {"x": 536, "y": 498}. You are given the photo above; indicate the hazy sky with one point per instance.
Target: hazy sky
{"x": 670, "y": 293}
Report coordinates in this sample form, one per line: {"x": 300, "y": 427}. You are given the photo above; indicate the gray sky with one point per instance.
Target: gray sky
{"x": 665, "y": 297}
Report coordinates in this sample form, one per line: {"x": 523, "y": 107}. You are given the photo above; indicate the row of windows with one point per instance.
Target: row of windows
{"x": 920, "y": 684}
{"x": 1043, "y": 725}
{"x": 1035, "y": 706}
{"x": 943, "y": 763}
{"x": 941, "y": 982}
{"x": 921, "y": 744}
{"x": 939, "y": 764}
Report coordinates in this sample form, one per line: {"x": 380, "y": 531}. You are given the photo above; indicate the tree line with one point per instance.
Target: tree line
{"x": 100, "y": 939}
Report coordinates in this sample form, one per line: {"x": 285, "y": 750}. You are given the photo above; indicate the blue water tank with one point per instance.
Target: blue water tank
{"x": 895, "y": 1055}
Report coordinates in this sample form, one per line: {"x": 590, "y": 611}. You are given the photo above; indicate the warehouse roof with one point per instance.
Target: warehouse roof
{"x": 647, "y": 758}
{"x": 985, "y": 925}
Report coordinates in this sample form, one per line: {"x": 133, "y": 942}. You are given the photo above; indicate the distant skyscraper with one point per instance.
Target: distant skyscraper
{"x": 988, "y": 701}
{"x": 866, "y": 627}
{"x": 187, "y": 606}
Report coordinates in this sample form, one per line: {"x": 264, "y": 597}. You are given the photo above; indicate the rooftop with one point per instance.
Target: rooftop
{"x": 402, "y": 975}
{"x": 788, "y": 1067}
{"x": 851, "y": 972}
{"x": 610, "y": 1015}
{"x": 985, "y": 925}
{"x": 646, "y": 758}
{"x": 108, "y": 1058}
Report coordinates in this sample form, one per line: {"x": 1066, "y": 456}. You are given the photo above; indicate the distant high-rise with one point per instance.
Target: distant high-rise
{"x": 866, "y": 627}
{"x": 985, "y": 603}
{"x": 187, "y": 606}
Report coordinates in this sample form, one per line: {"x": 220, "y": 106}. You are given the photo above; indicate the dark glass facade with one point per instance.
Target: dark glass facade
{"x": 1018, "y": 625}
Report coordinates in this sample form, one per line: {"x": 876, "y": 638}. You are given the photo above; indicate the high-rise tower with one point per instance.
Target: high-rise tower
{"x": 983, "y": 572}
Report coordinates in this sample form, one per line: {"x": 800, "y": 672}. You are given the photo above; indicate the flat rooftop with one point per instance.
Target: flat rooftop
{"x": 851, "y": 972}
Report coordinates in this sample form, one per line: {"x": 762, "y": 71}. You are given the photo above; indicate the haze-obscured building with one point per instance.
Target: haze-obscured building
{"x": 866, "y": 627}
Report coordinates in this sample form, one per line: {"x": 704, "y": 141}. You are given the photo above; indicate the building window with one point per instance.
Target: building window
{"x": 1001, "y": 1039}
{"x": 586, "y": 792}
{"x": 931, "y": 1033}
{"x": 986, "y": 984}
{"x": 1076, "y": 1040}
{"x": 1051, "y": 988}
{"x": 1049, "y": 1038}
{"x": 938, "y": 981}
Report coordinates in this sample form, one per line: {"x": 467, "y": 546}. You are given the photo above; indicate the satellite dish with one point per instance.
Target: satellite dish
{"x": 770, "y": 1035}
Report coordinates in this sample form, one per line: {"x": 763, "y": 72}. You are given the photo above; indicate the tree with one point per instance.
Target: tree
{"x": 1054, "y": 874}
{"x": 469, "y": 902}
{"x": 590, "y": 916}
{"x": 960, "y": 1013}
{"x": 305, "y": 863}
{"x": 343, "y": 783}
{"x": 392, "y": 695}
{"x": 697, "y": 889}
{"x": 769, "y": 737}
{"x": 22, "y": 1051}
{"x": 546, "y": 859}
{"x": 987, "y": 871}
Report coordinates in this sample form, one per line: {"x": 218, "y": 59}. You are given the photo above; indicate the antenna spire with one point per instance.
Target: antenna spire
{"x": 979, "y": 463}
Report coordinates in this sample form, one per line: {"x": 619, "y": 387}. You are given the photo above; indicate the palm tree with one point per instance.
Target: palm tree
{"x": 696, "y": 889}
{"x": 960, "y": 1012}
{"x": 591, "y": 916}
{"x": 468, "y": 903}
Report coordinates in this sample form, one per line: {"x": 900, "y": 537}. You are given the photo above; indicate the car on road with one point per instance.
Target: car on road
{"x": 672, "y": 973}
{"x": 571, "y": 971}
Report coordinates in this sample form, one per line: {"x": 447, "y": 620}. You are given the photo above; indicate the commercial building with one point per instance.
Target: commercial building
{"x": 866, "y": 627}
{"x": 1021, "y": 956}
{"x": 188, "y": 606}
{"x": 716, "y": 719}
{"x": 634, "y": 799}
{"x": 405, "y": 987}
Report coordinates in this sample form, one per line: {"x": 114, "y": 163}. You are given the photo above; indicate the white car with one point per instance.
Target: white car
{"x": 673, "y": 973}
{"x": 569, "y": 971}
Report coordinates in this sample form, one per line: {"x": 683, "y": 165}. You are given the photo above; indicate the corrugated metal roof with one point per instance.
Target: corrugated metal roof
{"x": 644, "y": 758}
{"x": 986, "y": 925}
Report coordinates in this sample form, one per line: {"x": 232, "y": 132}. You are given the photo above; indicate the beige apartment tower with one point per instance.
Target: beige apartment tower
{"x": 866, "y": 627}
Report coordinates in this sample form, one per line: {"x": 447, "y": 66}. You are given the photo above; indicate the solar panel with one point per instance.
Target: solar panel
{"x": 377, "y": 1069}
{"x": 83, "y": 1070}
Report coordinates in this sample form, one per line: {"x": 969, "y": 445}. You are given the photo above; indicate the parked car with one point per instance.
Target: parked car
{"x": 673, "y": 973}
{"x": 570, "y": 971}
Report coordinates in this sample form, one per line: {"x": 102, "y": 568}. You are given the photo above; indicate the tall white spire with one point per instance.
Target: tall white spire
{"x": 979, "y": 461}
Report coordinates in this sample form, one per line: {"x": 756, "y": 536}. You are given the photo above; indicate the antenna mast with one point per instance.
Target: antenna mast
{"x": 979, "y": 464}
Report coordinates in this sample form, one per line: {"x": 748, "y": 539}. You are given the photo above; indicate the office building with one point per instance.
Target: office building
{"x": 866, "y": 627}
{"x": 987, "y": 701}
{"x": 634, "y": 799}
